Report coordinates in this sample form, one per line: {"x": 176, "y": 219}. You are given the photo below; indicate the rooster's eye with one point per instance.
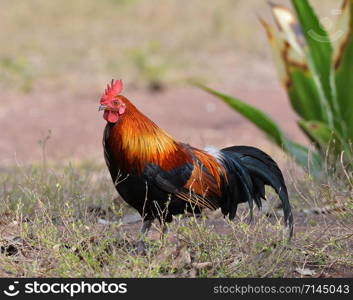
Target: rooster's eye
{"x": 116, "y": 102}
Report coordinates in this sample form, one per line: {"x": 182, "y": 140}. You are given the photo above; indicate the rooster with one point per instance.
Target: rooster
{"x": 161, "y": 177}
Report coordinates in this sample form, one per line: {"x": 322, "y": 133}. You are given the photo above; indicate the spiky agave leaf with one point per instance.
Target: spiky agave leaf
{"x": 319, "y": 56}
{"x": 292, "y": 66}
{"x": 324, "y": 137}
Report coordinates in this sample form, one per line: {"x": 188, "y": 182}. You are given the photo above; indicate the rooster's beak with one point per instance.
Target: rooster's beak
{"x": 101, "y": 107}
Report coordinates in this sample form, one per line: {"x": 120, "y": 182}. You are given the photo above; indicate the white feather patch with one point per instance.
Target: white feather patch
{"x": 214, "y": 152}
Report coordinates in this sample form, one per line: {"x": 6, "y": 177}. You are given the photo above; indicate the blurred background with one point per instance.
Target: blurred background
{"x": 56, "y": 58}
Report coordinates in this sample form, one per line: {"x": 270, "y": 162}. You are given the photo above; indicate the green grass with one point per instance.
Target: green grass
{"x": 49, "y": 228}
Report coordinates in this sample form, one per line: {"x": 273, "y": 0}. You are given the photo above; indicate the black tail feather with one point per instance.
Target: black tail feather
{"x": 249, "y": 170}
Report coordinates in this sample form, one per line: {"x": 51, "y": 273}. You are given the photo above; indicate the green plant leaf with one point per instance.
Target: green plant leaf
{"x": 319, "y": 52}
{"x": 300, "y": 153}
{"x": 303, "y": 95}
{"x": 257, "y": 117}
{"x": 326, "y": 138}
{"x": 292, "y": 66}
{"x": 318, "y": 132}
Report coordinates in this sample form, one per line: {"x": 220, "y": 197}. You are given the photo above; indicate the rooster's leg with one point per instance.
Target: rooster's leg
{"x": 141, "y": 247}
{"x": 164, "y": 231}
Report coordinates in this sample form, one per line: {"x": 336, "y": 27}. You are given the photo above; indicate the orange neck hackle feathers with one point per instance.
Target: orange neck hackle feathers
{"x": 136, "y": 140}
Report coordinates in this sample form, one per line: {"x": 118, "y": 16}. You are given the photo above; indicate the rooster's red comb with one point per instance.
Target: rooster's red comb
{"x": 112, "y": 90}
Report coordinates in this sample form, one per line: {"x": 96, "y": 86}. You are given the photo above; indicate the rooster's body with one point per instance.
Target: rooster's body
{"x": 161, "y": 177}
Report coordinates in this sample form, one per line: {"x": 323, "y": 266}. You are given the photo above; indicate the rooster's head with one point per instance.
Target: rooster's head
{"x": 112, "y": 103}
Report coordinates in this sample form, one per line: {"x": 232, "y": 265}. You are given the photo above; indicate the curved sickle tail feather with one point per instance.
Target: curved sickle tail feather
{"x": 249, "y": 170}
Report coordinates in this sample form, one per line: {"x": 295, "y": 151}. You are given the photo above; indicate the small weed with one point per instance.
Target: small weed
{"x": 17, "y": 71}
{"x": 149, "y": 66}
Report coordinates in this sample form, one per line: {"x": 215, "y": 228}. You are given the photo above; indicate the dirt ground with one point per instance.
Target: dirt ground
{"x": 187, "y": 113}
